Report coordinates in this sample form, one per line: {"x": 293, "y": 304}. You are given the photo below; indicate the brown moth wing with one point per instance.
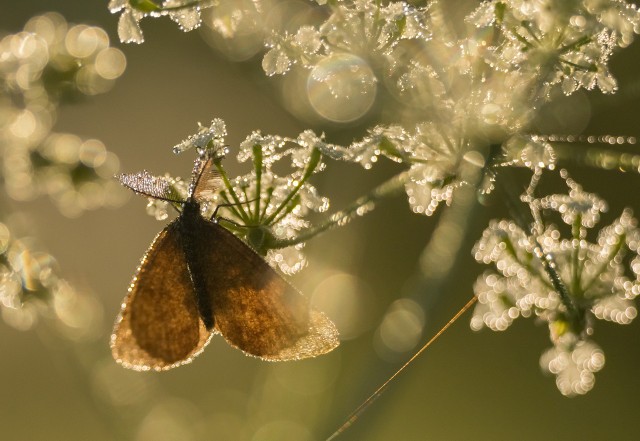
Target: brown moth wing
{"x": 254, "y": 308}
{"x": 208, "y": 183}
{"x": 159, "y": 326}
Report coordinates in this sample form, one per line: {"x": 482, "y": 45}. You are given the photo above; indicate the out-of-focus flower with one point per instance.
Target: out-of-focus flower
{"x": 53, "y": 59}
{"x": 362, "y": 28}
{"x": 594, "y": 275}
{"x": 574, "y": 363}
{"x": 50, "y": 61}
{"x": 76, "y": 174}
{"x": 31, "y": 289}
{"x": 565, "y": 42}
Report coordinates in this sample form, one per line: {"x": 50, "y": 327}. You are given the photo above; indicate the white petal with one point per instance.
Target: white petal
{"x": 188, "y": 19}
{"x": 116, "y": 5}
{"x": 275, "y": 62}
{"x": 128, "y": 28}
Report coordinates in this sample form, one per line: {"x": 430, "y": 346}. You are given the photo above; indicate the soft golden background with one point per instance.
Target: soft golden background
{"x": 485, "y": 386}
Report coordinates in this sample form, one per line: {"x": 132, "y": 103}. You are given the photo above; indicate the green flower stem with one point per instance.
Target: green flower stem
{"x": 575, "y": 257}
{"x": 257, "y": 166}
{"x": 314, "y": 160}
{"x": 558, "y": 285}
{"x": 230, "y": 206}
{"x": 524, "y": 220}
{"x": 527, "y": 26}
{"x": 266, "y": 202}
{"x": 246, "y": 198}
{"x": 388, "y": 188}
{"x": 292, "y": 205}
{"x": 144, "y": 5}
{"x": 223, "y": 174}
{"x": 589, "y": 68}
{"x": 530, "y": 268}
{"x": 576, "y": 44}
{"x": 149, "y": 6}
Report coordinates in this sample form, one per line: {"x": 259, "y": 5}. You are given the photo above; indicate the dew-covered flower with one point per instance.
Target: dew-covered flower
{"x": 210, "y": 138}
{"x": 129, "y": 30}
{"x": 265, "y": 206}
{"x": 574, "y": 363}
{"x": 436, "y": 152}
{"x": 598, "y": 282}
{"x": 278, "y": 204}
{"x": 577, "y": 206}
{"x": 186, "y": 13}
{"x": 565, "y": 42}
{"x": 361, "y": 28}
{"x": 530, "y": 151}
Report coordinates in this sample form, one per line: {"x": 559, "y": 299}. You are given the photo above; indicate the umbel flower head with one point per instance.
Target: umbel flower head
{"x": 600, "y": 280}
{"x": 266, "y": 208}
{"x": 567, "y": 42}
{"x": 362, "y": 28}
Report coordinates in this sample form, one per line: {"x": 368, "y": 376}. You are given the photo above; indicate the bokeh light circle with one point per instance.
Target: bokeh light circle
{"x": 342, "y": 88}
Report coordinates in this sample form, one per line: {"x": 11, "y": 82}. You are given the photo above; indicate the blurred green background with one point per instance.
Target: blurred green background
{"x": 485, "y": 386}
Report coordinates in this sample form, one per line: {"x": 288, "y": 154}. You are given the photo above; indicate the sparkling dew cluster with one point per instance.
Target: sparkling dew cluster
{"x": 600, "y": 279}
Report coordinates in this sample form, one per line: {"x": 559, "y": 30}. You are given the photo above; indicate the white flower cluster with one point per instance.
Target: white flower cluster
{"x": 281, "y": 203}
{"x": 262, "y": 202}
{"x": 594, "y": 275}
{"x": 568, "y": 42}
{"x": 48, "y": 62}
{"x": 363, "y": 28}
{"x": 207, "y": 138}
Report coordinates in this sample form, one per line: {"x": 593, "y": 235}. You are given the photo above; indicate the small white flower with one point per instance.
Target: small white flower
{"x": 129, "y": 30}
{"x": 213, "y": 134}
{"x": 186, "y": 13}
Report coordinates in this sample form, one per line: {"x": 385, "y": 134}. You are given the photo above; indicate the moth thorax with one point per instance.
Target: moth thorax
{"x": 191, "y": 208}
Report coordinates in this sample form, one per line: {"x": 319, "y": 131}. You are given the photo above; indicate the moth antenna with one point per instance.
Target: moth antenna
{"x": 147, "y": 185}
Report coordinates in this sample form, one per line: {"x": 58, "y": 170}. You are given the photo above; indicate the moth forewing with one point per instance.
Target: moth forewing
{"x": 255, "y": 308}
{"x": 159, "y": 326}
{"x": 208, "y": 183}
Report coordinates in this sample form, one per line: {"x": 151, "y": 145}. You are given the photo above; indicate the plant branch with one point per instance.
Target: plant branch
{"x": 359, "y": 207}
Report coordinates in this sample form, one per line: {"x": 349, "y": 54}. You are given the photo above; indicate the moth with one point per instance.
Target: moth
{"x": 198, "y": 279}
